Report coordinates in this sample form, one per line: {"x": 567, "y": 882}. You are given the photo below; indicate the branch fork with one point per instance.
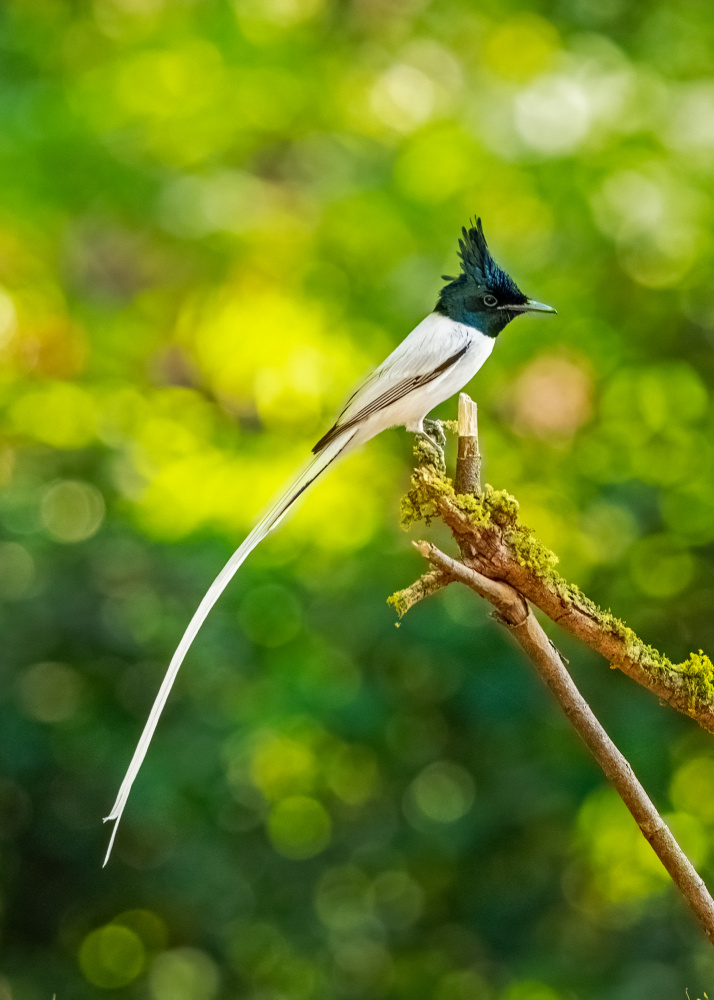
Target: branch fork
{"x": 484, "y": 549}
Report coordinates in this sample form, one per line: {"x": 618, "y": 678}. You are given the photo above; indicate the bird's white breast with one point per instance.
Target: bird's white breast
{"x": 429, "y": 346}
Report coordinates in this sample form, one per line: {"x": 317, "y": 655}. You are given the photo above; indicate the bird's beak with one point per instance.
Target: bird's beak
{"x": 530, "y": 305}
{"x": 537, "y": 307}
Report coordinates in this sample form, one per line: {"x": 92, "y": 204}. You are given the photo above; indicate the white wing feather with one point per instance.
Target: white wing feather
{"x": 429, "y": 344}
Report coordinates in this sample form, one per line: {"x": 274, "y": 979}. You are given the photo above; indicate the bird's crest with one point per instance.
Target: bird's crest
{"x": 478, "y": 265}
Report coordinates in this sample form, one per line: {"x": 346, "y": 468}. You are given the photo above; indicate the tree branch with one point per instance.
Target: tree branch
{"x": 468, "y": 462}
{"x": 503, "y": 561}
{"x": 495, "y": 542}
{"x": 512, "y": 610}
{"x": 468, "y": 478}
{"x": 425, "y": 586}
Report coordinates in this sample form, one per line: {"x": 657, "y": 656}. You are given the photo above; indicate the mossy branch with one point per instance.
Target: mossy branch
{"x": 426, "y": 585}
{"x": 513, "y": 611}
{"x": 504, "y": 562}
{"x": 494, "y": 541}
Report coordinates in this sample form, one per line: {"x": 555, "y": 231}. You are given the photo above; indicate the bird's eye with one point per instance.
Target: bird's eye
{"x": 490, "y": 301}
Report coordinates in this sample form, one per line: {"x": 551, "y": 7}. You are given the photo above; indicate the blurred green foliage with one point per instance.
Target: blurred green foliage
{"x": 215, "y": 217}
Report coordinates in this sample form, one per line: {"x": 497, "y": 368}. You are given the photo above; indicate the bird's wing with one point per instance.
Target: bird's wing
{"x": 431, "y": 348}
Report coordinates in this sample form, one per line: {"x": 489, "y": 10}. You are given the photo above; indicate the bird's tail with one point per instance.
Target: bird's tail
{"x": 329, "y": 454}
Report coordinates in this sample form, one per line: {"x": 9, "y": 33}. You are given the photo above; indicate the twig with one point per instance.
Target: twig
{"x": 425, "y": 586}
{"x": 468, "y": 462}
{"x": 513, "y": 611}
{"x": 466, "y": 480}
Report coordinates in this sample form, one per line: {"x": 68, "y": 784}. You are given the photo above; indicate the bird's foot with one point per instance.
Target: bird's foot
{"x": 430, "y": 445}
{"x": 435, "y": 430}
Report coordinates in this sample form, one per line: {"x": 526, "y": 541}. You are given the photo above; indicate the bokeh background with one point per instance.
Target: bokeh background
{"x": 215, "y": 217}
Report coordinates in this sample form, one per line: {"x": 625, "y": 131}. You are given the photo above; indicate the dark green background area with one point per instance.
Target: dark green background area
{"x": 215, "y": 217}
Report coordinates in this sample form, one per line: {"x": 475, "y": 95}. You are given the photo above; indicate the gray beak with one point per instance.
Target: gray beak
{"x": 530, "y": 305}
{"x": 538, "y": 307}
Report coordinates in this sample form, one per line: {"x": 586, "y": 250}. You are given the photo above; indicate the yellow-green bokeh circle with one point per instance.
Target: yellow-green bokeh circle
{"x": 111, "y": 956}
{"x": 299, "y": 827}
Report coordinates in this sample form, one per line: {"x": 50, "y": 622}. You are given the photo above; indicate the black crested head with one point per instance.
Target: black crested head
{"x": 478, "y": 264}
{"x": 483, "y": 295}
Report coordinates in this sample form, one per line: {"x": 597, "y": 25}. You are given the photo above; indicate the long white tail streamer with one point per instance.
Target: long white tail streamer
{"x": 269, "y": 521}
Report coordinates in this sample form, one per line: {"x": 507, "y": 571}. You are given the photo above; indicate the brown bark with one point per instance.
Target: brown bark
{"x": 513, "y": 612}
{"x": 493, "y": 566}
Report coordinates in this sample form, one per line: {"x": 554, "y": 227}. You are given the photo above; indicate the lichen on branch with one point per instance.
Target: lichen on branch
{"x": 431, "y": 491}
{"x": 494, "y": 541}
{"x": 425, "y": 586}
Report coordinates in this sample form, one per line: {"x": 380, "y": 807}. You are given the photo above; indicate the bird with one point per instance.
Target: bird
{"x": 437, "y": 359}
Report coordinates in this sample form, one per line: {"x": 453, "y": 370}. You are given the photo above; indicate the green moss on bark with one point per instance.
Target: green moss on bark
{"x": 490, "y": 507}
{"x": 399, "y": 602}
{"x": 497, "y": 508}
